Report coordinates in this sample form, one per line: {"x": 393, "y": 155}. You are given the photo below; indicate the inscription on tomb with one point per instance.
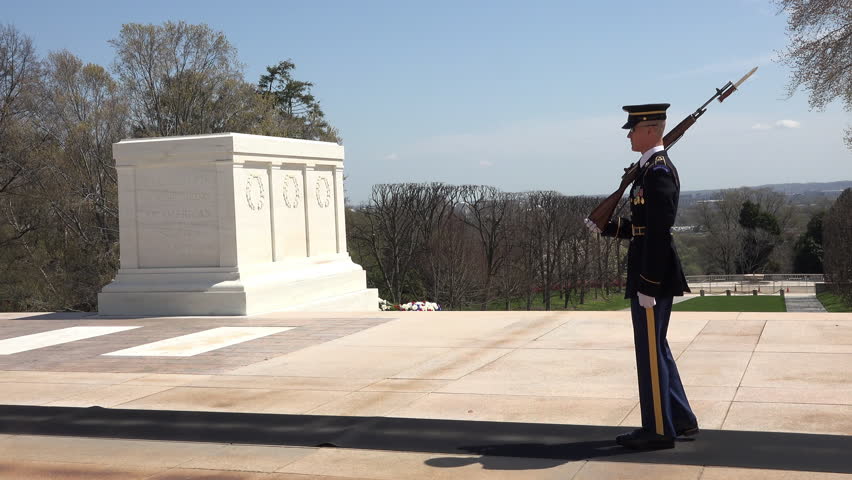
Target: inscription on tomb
{"x": 177, "y": 218}
{"x": 176, "y": 213}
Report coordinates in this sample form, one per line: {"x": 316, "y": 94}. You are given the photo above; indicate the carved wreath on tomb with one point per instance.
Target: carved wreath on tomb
{"x": 255, "y": 192}
{"x": 292, "y": 192}
{"x": 323, "y": 192}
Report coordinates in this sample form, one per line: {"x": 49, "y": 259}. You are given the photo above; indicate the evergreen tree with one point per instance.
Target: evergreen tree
{"x": 299, "y": 110}
{"x": 808, "y": 251}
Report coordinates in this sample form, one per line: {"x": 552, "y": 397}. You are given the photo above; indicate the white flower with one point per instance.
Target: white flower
{"x": 420, "y": 306}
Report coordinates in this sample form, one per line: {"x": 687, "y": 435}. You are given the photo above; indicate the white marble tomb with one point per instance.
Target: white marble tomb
{"x": 232, "y": 224}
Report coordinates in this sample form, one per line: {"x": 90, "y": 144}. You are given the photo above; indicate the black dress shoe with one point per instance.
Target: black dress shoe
{"x": 687, "y": 431}
{"x": 640, "y": 439}
{"x": 628, "y": 437}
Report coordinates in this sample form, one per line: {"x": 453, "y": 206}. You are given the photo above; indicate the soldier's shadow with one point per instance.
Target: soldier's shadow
{"x": 530, "y": 456}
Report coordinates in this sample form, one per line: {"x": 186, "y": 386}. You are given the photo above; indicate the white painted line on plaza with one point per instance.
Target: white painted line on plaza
{"x": 200, "y": 342}
{"x": 54, "y": 337}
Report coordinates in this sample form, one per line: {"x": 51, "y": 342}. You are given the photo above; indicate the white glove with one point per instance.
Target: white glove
{"x": 591, "y": 226}
{"x": 646, "y": 301}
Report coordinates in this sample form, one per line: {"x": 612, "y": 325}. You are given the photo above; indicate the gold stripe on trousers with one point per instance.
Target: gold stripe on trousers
{"x": 655, "y": 371}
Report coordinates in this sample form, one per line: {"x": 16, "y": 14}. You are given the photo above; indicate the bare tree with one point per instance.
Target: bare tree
{"x": 820, "y": 51}
{"x": 527, "y": 262}
{"x": 486, "y": 210}
{"x": 547, "y": 231}
{"x": 454, "y": 264}
{"x": 434, "y": 204}
{"x": 400, "y": 221}
{"x": 20, "y": 71}
{"x": 184, "y": 79}
{"x": 511, "y": 280}
{"x": 21, "y": 147}
{"x": 389, "y": 233}
{"x": 720, "y": 222}
{"x": 589, "y": 258}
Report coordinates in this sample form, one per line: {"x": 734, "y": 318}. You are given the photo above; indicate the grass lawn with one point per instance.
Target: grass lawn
{"x": 833, "y": 303}
{"x": 744, "y": 303}
{"x": 615, "y": 301}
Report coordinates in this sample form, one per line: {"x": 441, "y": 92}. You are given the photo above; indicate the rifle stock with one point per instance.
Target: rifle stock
{"x": 603, "y": 212}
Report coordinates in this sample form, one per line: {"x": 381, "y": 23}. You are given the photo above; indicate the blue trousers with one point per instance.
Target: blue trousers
{"x": 664, "y": 405}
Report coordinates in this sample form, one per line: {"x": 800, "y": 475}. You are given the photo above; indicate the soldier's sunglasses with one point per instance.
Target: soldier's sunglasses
{"x": 634, "y": 127}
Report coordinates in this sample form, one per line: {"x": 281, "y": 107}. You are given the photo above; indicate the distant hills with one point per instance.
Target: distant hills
{"x": 803, "y": 192}
{"x": 800, "y": 188}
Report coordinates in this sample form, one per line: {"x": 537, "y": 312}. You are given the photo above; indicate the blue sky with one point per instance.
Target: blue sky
{"x": 519, "y": 95}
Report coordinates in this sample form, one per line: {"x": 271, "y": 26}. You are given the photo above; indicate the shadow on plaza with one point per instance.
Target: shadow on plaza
{"x": 499, "y": 445}
{"x": 530, "y": 456}
{"x": 56, "y": 316}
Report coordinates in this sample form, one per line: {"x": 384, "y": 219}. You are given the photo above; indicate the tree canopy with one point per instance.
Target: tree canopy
{"x": 299, "y": 110}
{"x": 837, "y": 236}
{"x": 808, "y": 249}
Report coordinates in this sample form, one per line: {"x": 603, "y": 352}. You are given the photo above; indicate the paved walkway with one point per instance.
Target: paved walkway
{"x": 803, "y": 303}
{"x": 420, "y": 395}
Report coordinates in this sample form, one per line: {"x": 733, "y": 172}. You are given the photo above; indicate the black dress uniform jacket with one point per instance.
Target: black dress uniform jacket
{"x": 653, "y": 265}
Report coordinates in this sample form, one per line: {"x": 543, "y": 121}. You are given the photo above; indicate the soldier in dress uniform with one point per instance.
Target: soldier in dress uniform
{"x": 654, "y": 278}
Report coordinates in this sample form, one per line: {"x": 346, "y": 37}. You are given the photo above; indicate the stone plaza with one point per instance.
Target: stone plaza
{"x": 419, "y": 395}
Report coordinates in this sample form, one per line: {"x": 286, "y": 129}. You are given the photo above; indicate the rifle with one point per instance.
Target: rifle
{"x": 603, "y": 212}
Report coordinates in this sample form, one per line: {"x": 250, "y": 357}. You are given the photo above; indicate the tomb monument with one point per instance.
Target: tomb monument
{"x": 232, "y": 224}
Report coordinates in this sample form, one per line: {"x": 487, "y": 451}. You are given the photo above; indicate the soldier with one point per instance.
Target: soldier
{"x": 654, "y": 278}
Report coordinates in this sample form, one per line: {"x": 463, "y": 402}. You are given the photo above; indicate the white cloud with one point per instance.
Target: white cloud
{"x": 788, "y": 124}
{"x": 779, "y": 123}
{"x": 485, "y": 163}
{"x": 392, "y": 157}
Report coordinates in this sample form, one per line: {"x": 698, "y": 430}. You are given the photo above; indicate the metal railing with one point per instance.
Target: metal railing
{"x": 758, "y": 278}
{"x": 762, "y": 283}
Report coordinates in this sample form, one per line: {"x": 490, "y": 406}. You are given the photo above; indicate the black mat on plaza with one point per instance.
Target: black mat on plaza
{"x": 492, "y": 440}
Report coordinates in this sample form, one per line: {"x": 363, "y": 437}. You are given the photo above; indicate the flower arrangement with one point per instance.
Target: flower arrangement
{"x": 384, "y": 305}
